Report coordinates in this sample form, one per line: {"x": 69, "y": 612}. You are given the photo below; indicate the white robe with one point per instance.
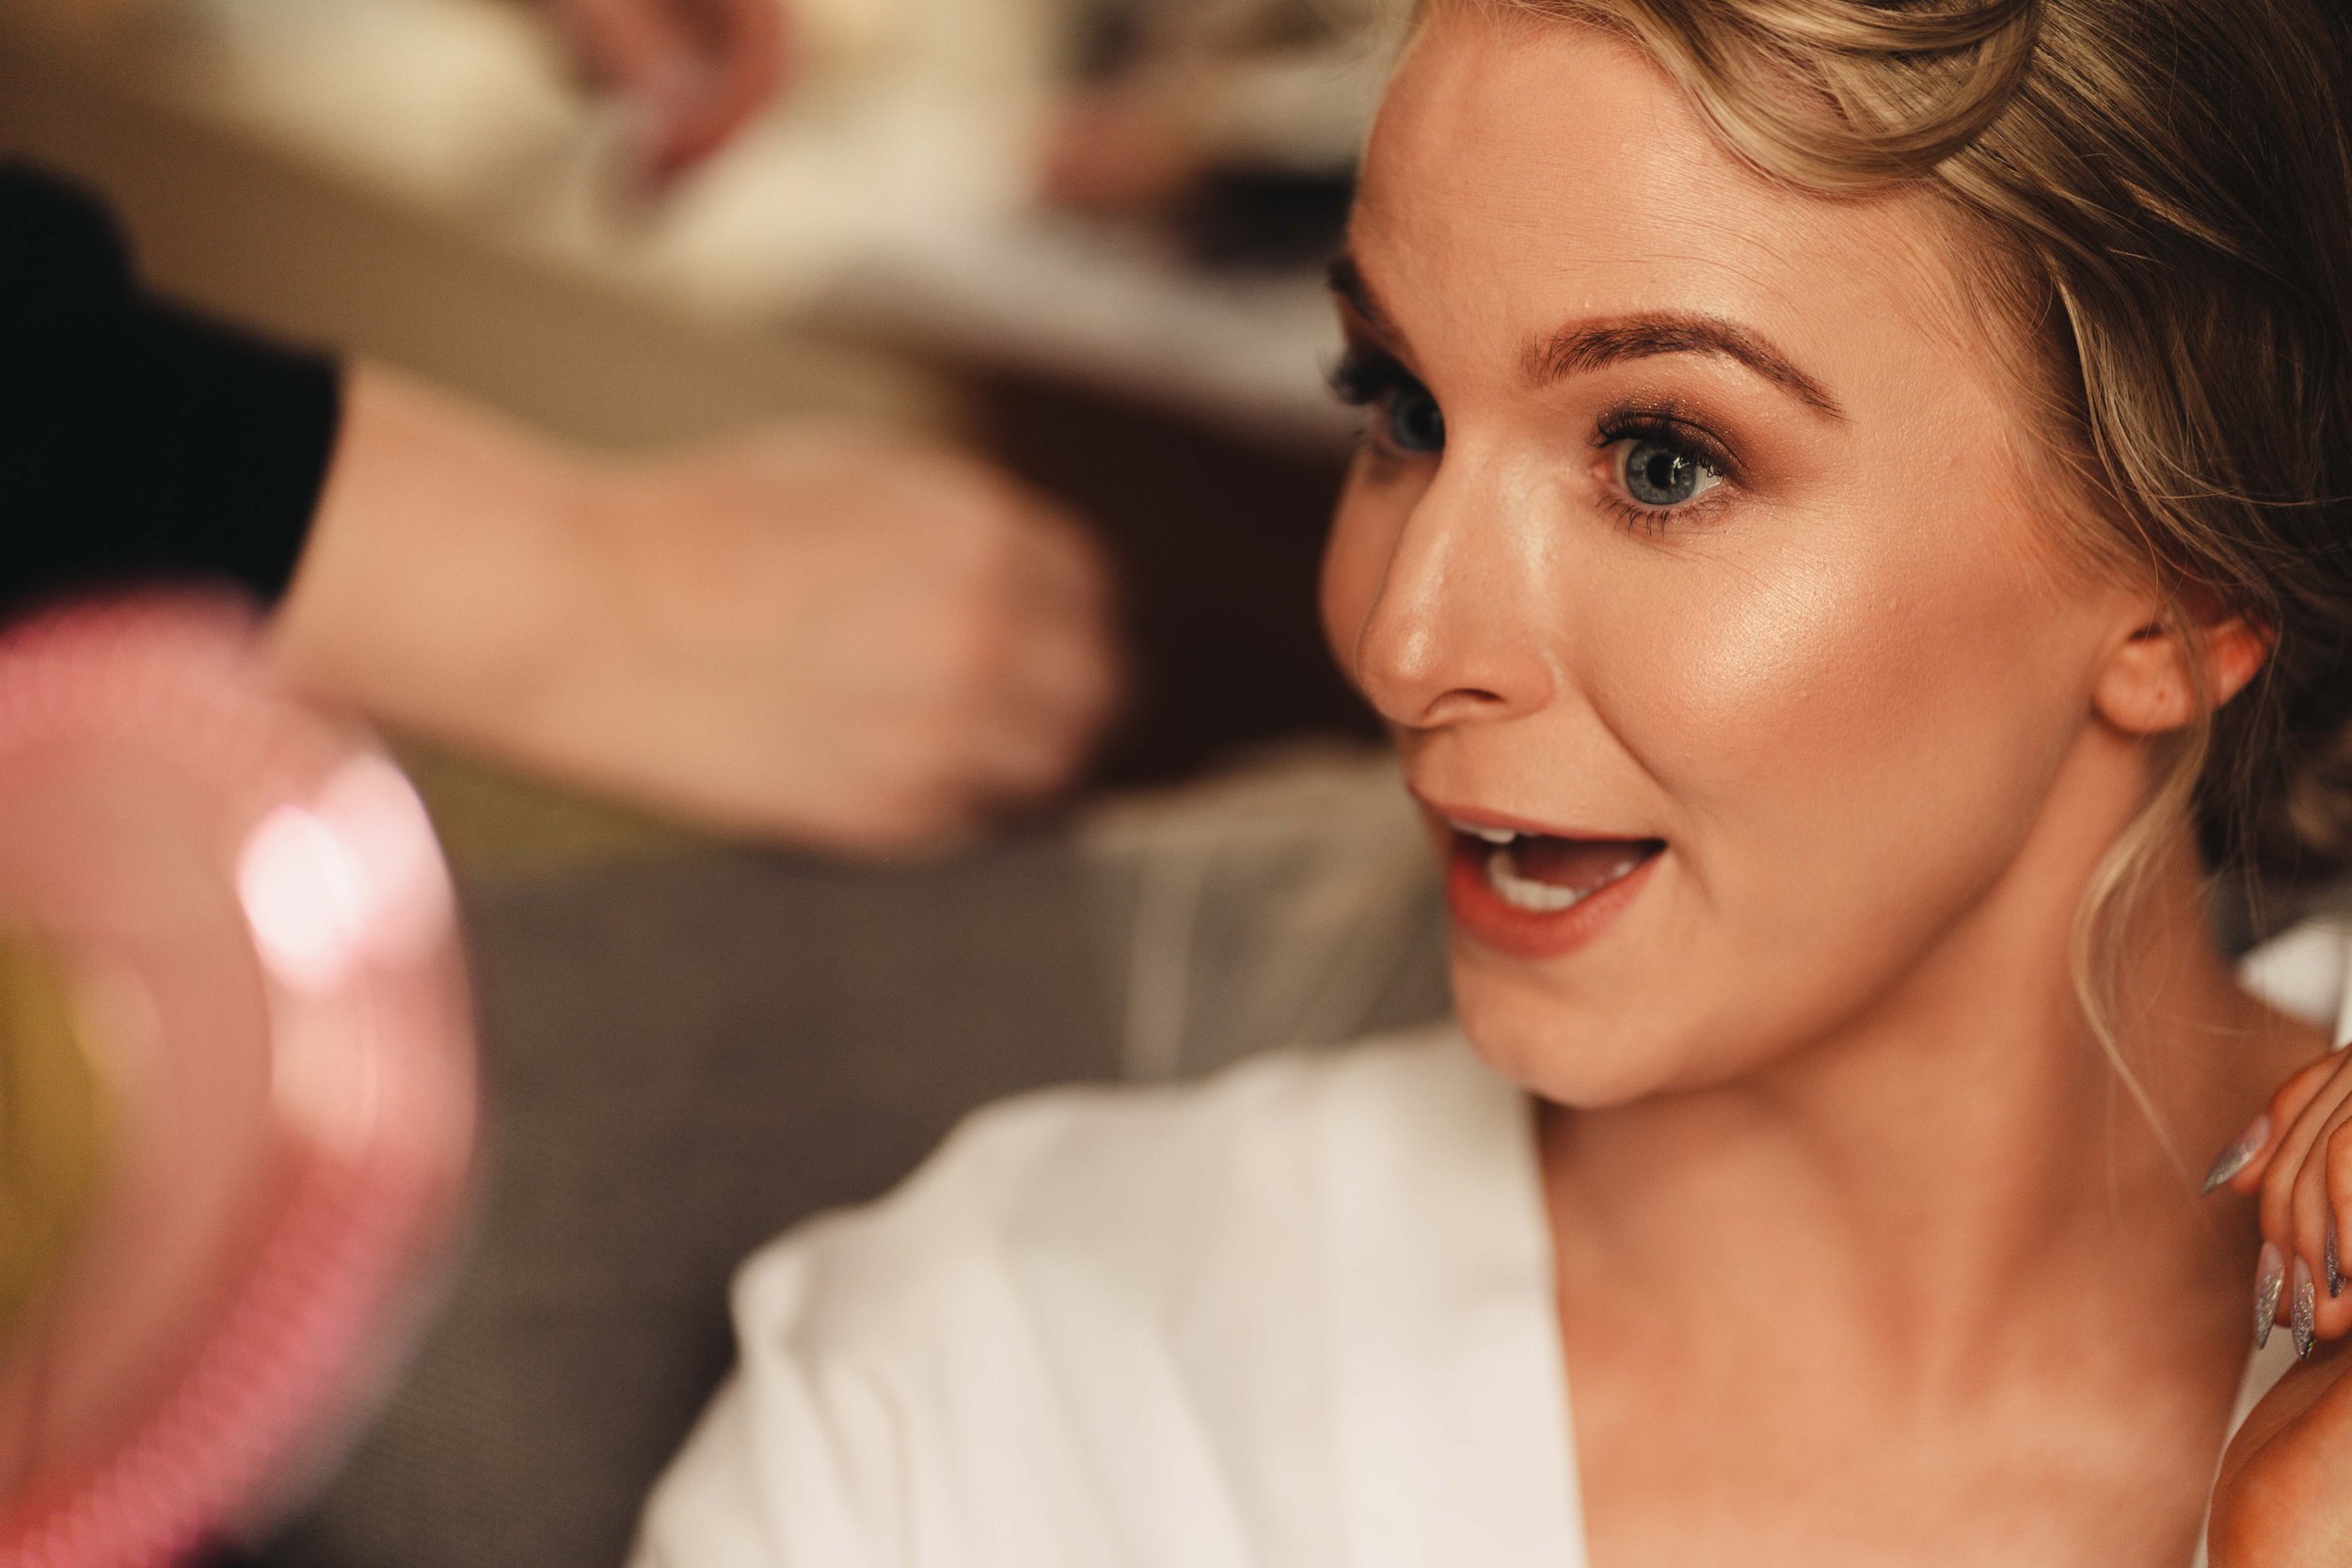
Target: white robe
{"x": 1298, "y": 1315}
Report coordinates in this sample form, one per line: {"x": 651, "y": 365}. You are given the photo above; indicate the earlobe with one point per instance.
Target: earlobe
{"x": 2149, "y": 683}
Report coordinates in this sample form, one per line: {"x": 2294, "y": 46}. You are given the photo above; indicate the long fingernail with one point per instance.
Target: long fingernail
{"x": 2240, "y": 1154}
{"x": 2327, "y": 1255}
{"x": 2271, "y": 1275}
{"x": 2306, "y": 1308}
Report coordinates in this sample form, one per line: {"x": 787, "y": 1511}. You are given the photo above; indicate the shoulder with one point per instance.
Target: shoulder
{"x": 1091, "y": 1312}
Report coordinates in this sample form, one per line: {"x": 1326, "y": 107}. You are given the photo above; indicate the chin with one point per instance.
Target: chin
{"x": 1586, "y": 1054}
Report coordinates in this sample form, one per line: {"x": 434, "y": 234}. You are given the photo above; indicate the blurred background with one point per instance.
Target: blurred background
{"x": 1084, "y": 237}
{"x": 956, "y": 215}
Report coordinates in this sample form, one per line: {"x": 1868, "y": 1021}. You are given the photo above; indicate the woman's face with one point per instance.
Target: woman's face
{"x": 1696, "y": 539}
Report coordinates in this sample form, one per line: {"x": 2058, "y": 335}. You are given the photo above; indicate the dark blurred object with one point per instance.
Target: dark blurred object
{"x": 230, "y": 913}
{"x": 1265, "y": 218}
{"x": 140, "y": 441}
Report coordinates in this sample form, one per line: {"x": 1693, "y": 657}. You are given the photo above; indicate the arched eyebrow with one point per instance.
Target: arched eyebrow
{"x": 1614, "y": 341}
{"x": 1618, "y": 340}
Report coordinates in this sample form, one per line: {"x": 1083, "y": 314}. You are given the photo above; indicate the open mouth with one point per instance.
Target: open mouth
{"x": 1541, "y": 874}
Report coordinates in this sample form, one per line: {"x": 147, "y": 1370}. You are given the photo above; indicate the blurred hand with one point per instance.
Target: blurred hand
{"x": 849, "y": 641}
{"x": 852, "y": 639}
{"x": 696, "y": 69}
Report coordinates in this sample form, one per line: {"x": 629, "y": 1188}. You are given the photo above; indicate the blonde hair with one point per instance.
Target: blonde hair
{"x": 2164, "y": 192}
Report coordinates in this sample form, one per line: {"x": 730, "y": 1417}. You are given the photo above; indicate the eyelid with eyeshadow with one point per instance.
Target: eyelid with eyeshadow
{"x": 1366, "y": 374}
{"x": 1673, "y": 425}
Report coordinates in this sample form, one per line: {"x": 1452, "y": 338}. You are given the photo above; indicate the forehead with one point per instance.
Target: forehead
{"x": 1526, "y": 171}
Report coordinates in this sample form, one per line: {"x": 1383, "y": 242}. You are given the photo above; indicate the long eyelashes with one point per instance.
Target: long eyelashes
{"x": 1407, "y": 424}
{"x": 1669, "y": 425}
{"x": 1405, "y": 420}
{"x": 1660, "y": 439}
{"x": 1363, "y": 375}
{"x": 1366, "y": 377}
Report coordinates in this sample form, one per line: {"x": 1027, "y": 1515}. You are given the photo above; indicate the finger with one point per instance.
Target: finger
{"x": 1050, "y": 643}
{"x": 909, "y": 831}
{"x": 2322, "y": 1195}
{"x": 1070, "y": 673}
{"x": 2294, "y": 1212}
{"x": 2242, "y": 1166}
{"x": 1073, "y": 659}
{"x": 2301, "y": 1109}
{"x": 1033, "y": 733}
{"x": 2316, "y": 1308}
{"x": 908, "y": 801}
{"x": 1019, "y": 765}
{"x": 2335, "y": 1305}
{"x": 988, "y": 754}
{"x": 1028, "y": 749}
{"x": 1068, "y": 573}
{"x": 738, "y": 65}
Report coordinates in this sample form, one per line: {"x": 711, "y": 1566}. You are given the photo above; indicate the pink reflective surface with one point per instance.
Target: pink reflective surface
{"x": 256, "y": 935}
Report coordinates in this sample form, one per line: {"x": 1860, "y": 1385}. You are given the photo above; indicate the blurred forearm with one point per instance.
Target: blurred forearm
{"x": 840, "y": 638}
{"x": 436, "y": 592}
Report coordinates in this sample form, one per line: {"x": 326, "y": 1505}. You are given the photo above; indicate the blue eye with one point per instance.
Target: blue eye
{"x": 1661, "y": 474}
{"x": 1411, "y": 419}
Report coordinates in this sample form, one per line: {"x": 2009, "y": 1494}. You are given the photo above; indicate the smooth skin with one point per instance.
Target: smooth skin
{"x": 1864, "y": 1255}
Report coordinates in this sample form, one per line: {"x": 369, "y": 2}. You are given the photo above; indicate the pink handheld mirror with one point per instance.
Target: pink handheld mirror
{"x": 236, "y": 1078}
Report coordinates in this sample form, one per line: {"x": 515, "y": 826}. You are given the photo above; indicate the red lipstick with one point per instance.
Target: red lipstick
{"x": 1529, "y": 893}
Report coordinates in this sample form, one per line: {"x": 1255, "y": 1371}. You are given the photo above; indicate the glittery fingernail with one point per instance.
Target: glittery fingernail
{"x": 2240, "y": 1154}
{"x": 2306, "y": 1307}
{"x": 2327, "y": 1256}
{"x": 2270, "y": 1277}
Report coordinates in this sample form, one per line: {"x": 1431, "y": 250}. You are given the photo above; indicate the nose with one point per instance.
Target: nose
{"x": 1456, "y": 633}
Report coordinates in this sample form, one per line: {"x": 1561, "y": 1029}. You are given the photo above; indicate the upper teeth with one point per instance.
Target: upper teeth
{"x": 1492, "y": 835}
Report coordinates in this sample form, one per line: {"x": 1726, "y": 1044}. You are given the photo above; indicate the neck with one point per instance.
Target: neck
{"x": 1963, "y": 1170}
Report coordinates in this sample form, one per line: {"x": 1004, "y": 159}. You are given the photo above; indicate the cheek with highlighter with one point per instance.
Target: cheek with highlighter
{"x": 1848, "y": 730}
{"x": 1819, "y": 709}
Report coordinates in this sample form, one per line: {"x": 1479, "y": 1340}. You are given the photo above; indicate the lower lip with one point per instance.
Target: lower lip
{"x": 1481, "y": 914}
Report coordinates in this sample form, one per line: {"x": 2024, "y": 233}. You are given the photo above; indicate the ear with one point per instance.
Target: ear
{"x": 2149, "y": 682}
